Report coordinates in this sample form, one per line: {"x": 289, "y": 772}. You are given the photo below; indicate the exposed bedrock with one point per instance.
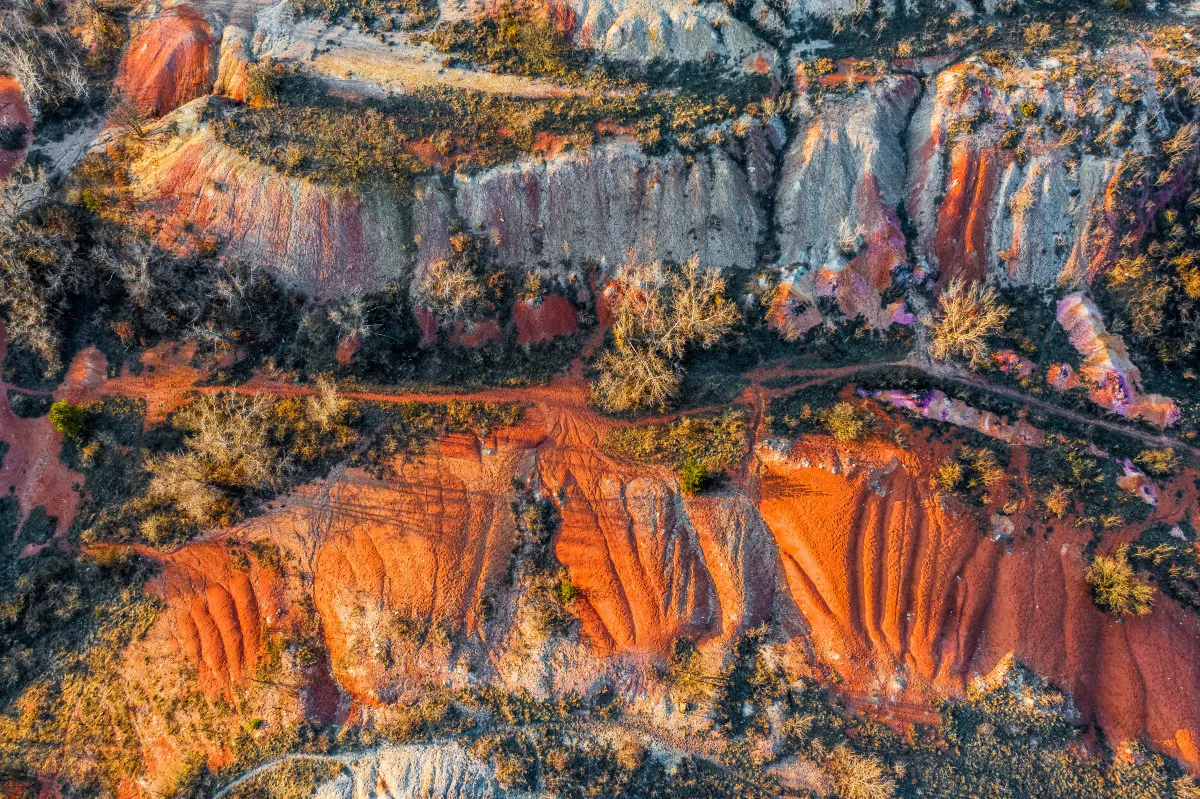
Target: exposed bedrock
{"x": 1013, "y": 172}
{"x": 326, "y": 240}
{"x": 835, "y": 210}
{"x": 171, "y": 61}
{"x": 444, "y": 771}
{"x": 675, "y": 32}
{"x": 614, "y": 201}
{"x": 598, "y": 206}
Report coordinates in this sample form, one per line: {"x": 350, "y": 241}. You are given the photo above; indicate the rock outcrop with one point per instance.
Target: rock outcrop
{"x": 598, "y": 207}
{"x": 1114, "y": 382}
{"x": 672, "y": 32}
{"x": 1012, "y": 170}
{"x": 414, "y": 772}
{"x": 840, "y": 185}
{"x": 939, "y": 407}
{"x": 170, "y": 62}
{"x": 613, "y": 202}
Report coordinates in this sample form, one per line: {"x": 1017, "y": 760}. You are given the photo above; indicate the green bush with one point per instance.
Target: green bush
{"x": 693, "y": 477}
{"x": 69, "y": 419}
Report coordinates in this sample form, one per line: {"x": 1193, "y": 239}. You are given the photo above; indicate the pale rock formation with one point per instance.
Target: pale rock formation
{"x": 613, "y": 202}
{"x": 939, "y": 407}
{"x": 1114, "y": 381}
{"x": 675, "y": 31}
{"x": 429, "y": 771}
{"x": 841, "y": 182}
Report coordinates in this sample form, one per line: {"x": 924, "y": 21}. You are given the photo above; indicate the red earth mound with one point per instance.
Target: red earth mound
{"x": 170, "y": 62}
{"x": 217, "y": 611}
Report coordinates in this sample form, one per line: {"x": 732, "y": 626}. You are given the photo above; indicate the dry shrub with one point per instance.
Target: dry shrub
{"x": 227, "y": 447}
{"x": 1115, "y": 587}
{"x": 1158, "y": 462}
{"x": 1058, "y": 501}
{"x": 858, "y": 776}
{"x": 660, "y": 314}
{"x": 453, "y": 287}
{"x": 964, "y": 319}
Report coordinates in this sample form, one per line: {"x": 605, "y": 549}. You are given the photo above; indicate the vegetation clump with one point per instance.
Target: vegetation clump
{"x": 370, "y": 15}
{"x": 697, "y": 447}
{"x": 1070, "y": 474}
{"x": 385, "y": 143}
{"x": 970, "y": 471}
{"x": 1116, "y": 588}
{"x": 403, "y": 430}
{"x": 660, "y": 315}
{"x": 1170, "y": 556}
{"x": 68, "y": 418}
{"x": 237, "y": 449}
{"x": 515, "y": 41}
{"x": 845, "y": 422}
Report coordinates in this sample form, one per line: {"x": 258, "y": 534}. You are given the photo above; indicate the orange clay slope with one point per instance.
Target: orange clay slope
{"x": 842, "y": 547}
{"x": 904, "y": 595}
{"x": 170, "y": 62}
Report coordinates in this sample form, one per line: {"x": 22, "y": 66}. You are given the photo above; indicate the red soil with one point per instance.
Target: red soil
{"x": 543, "y": 321}
{"x": 13, "y": 114}
{"x": 32, "y": 471}
{"x": 170, "y": 62}
{"x": 907, "y": 596}
{"x": 217, "y": 612}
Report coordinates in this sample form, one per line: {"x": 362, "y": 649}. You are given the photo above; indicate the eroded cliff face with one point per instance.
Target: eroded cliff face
{"x": 843, "y": 548}
{"x": 325, "y": 240}
{"x": 907, "y": 597}
{"x": 836, "y": 202}
{"x": 1013, "y": 172}
{"x": 596, "y": 207}
{"x": 614, "y": 201}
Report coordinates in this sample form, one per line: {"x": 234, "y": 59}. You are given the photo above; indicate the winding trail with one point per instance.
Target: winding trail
{"x": 571, "y": 394}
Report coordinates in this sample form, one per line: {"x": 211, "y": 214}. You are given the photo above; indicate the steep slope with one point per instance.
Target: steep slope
{"x": 169, "y": 62}
{"x": 1014, "y": 171}
{"x": 670, "y": 32}
{"x": 905, "y": 596}
{"x": 613, "y": 200}
{"x": 326, "y": 240}
{"x": 562, "y": 211}
{"x": 406, "y": 565}
{"x": 835, "y": 207}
